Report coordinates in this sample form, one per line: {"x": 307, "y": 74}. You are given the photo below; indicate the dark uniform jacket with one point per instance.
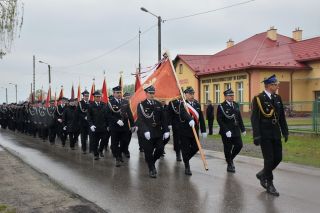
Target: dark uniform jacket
{"x": 59, "y": 115}
{"x": 151, "y": 118}
{"x": 268, "y": 126}
{"x": 173, "y": 113}
{"x": 97, "y": 116}
{"x": 119, "y": 111}
{"x": 210, "y": 112}
{"x": 82, "y": 114}
{"x": 50, "y": 116}
{"x": 69, "y": 119}
{"x": 185, "y": 118}
{"x": 42, "y": 117}
{"x": 229, "y": 119}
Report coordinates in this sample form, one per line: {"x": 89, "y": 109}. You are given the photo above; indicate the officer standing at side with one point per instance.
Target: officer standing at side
{"x": 230, "y": 121}
{"x": 268, "y": 123}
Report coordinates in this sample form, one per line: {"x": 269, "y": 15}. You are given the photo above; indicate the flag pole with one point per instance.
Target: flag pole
{"x": 203, "y": 158}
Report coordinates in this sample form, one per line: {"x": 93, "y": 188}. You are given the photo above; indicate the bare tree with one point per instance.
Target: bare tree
{"x": 11, "y": 20}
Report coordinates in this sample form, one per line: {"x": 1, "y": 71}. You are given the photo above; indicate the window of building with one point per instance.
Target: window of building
{"x": 216, "y": 93}
{"x": 240, "y": 92}
{"x": 206, "y": 93}
{"x": 180, "y": 68}
{"x": 227, "y": 86}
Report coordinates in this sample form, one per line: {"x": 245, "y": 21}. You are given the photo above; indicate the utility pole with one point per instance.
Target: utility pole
{"x": 34, "y": 75}
{"x": 139, "y": 53}
{"x": 7, "y": 95}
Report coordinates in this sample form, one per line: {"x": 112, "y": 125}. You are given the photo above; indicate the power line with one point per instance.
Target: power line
{"x": 209, "y": 11}
{"x": 108, "y": 52}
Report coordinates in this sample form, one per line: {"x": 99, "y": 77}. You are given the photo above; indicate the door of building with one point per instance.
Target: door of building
{"x": 284, "y": 91}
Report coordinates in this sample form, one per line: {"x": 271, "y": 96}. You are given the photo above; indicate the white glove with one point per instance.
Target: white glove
{"x": 244, "y": 133}
{"x": 191, "y": 123}
{"x": 60, "y": 120}
{"x": 86, "y": 118}
{"x": 170, "y": 127}
{"x": 64, "y": 128}
{"x": 228, "y": 134}
{"x": 133, "y": 129}
{"x": 166, "y": 135}
{"x": 120, "y": 123}
{"x": 204, "y": 135}
{"x": 147, "y": 135}
{"x": 93, "y": 128}
{"x": 108, "y": 129}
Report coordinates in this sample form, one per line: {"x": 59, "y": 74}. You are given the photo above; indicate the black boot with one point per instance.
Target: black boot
{"x": 101, "y": 154}
{"x": 230, "y": 168}
{"x": 263, "y": 181}
{"x": 187, "y": 170}
{"x": 271, "y": 189}
{"x": 152, "y": 173}
{"x": 178, "y": 156}
{"x": 118, "y": 162}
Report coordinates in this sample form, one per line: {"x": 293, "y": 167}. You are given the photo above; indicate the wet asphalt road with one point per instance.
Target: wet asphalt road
{"x": 129, "y": 188}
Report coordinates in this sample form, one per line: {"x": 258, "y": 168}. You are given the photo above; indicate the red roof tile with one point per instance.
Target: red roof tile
{"x": 257, "y": 51}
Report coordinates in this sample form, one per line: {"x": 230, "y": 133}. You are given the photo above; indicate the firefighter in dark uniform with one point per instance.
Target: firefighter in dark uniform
{"x": 83, "y": 120}
{"x": 98, "y": 123}
{"x": 188, "y": 143}
{"x": 120, "y": 123}
{"x": 125, "y": 149}
{"x": 43, "y": 126}
{"x": 231, "y": 126}
{"x": 165, "y": 110}
{"x": 61, "y": 131}
{"x": 70, "y": 123}
{"x": 33, "y": 119}
{"x": 52, "y": 130}
{"x": 4, "y": 116}
{"x": 268, "y": 124}
{"x": 210, "y": 116}
{"x": 151, "y": 124}
{"x": 174, "y": 121}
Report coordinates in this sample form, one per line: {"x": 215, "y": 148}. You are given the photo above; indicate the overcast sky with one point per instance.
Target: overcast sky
{"x": 68, "y": 32}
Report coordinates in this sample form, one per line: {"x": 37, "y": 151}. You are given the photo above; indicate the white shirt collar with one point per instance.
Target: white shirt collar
{"x": 268, "y": 93}
{"x": 230, "y": 103}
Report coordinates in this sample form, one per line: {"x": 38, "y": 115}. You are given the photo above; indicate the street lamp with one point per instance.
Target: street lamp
{"x": 6, "y": 94}
{"x": 16, "y": 86}
{"x": 159, "y": 30}
{"x": 49, "y": 69}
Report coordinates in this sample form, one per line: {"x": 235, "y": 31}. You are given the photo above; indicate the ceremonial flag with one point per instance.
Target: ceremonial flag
{"x": 137, "y": 84}
{"x": 60, "y": 95}
{"x": 104, "y": 97}
{"x": 92, "y": 91}
{"x": 72, "y": 92}
{"x": 165, "y": 83}
{"x": 40, "y": 98}
{"x": 48, "y": 97}
{"x": 121, "y": 82}
{"x": 79, "y": 93}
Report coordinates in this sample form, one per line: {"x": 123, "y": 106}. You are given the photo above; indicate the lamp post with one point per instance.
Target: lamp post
{"x": 16, "y": 86}
{"x": 159, "y": 30}
{"x": 49, "y": 69}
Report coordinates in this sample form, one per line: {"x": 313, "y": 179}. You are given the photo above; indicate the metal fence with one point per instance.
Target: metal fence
{"x": 302, "y": 116}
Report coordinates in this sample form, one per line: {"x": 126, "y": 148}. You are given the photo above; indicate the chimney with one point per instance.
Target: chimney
{"x": 230, "y": 43}
{"x": 297, "y": 34}
{"x": 272, "y": 33}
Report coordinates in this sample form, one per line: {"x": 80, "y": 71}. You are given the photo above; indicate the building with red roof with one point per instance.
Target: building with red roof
{"x": 244, "y": 65}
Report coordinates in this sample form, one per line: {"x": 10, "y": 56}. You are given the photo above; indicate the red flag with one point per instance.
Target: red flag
{"x": 79, "y": 93}
{"x": 137, "y": 85}
{"x": 72, "y": 92}
{"x": 40, "y": 98}
{"x": 48, "y": 97}
{"x": 92, "y": 91}
{"x": 104, "y": 97}
{"x": 60, "y": 95}
{"x": 162, "y": 77}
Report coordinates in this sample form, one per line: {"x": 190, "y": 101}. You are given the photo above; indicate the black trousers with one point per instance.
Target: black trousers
{"x": 272, "y": 155}
{"x": 84, "y": 132}
{"x": 232, "y": 146}
{"x": 118, "y": 142}
{"x": 72, "y": 138}
{"x": 188, "y": 147}
{"x": 210, "y": 124}
{"x": 52, "y": 134}
{"x": 176, "y": 139}
{"x": 153, "y": 149}
{"x": 96, "y": 137}
{"x": 125, "y": 148}
{"x": 62, "y": 134}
